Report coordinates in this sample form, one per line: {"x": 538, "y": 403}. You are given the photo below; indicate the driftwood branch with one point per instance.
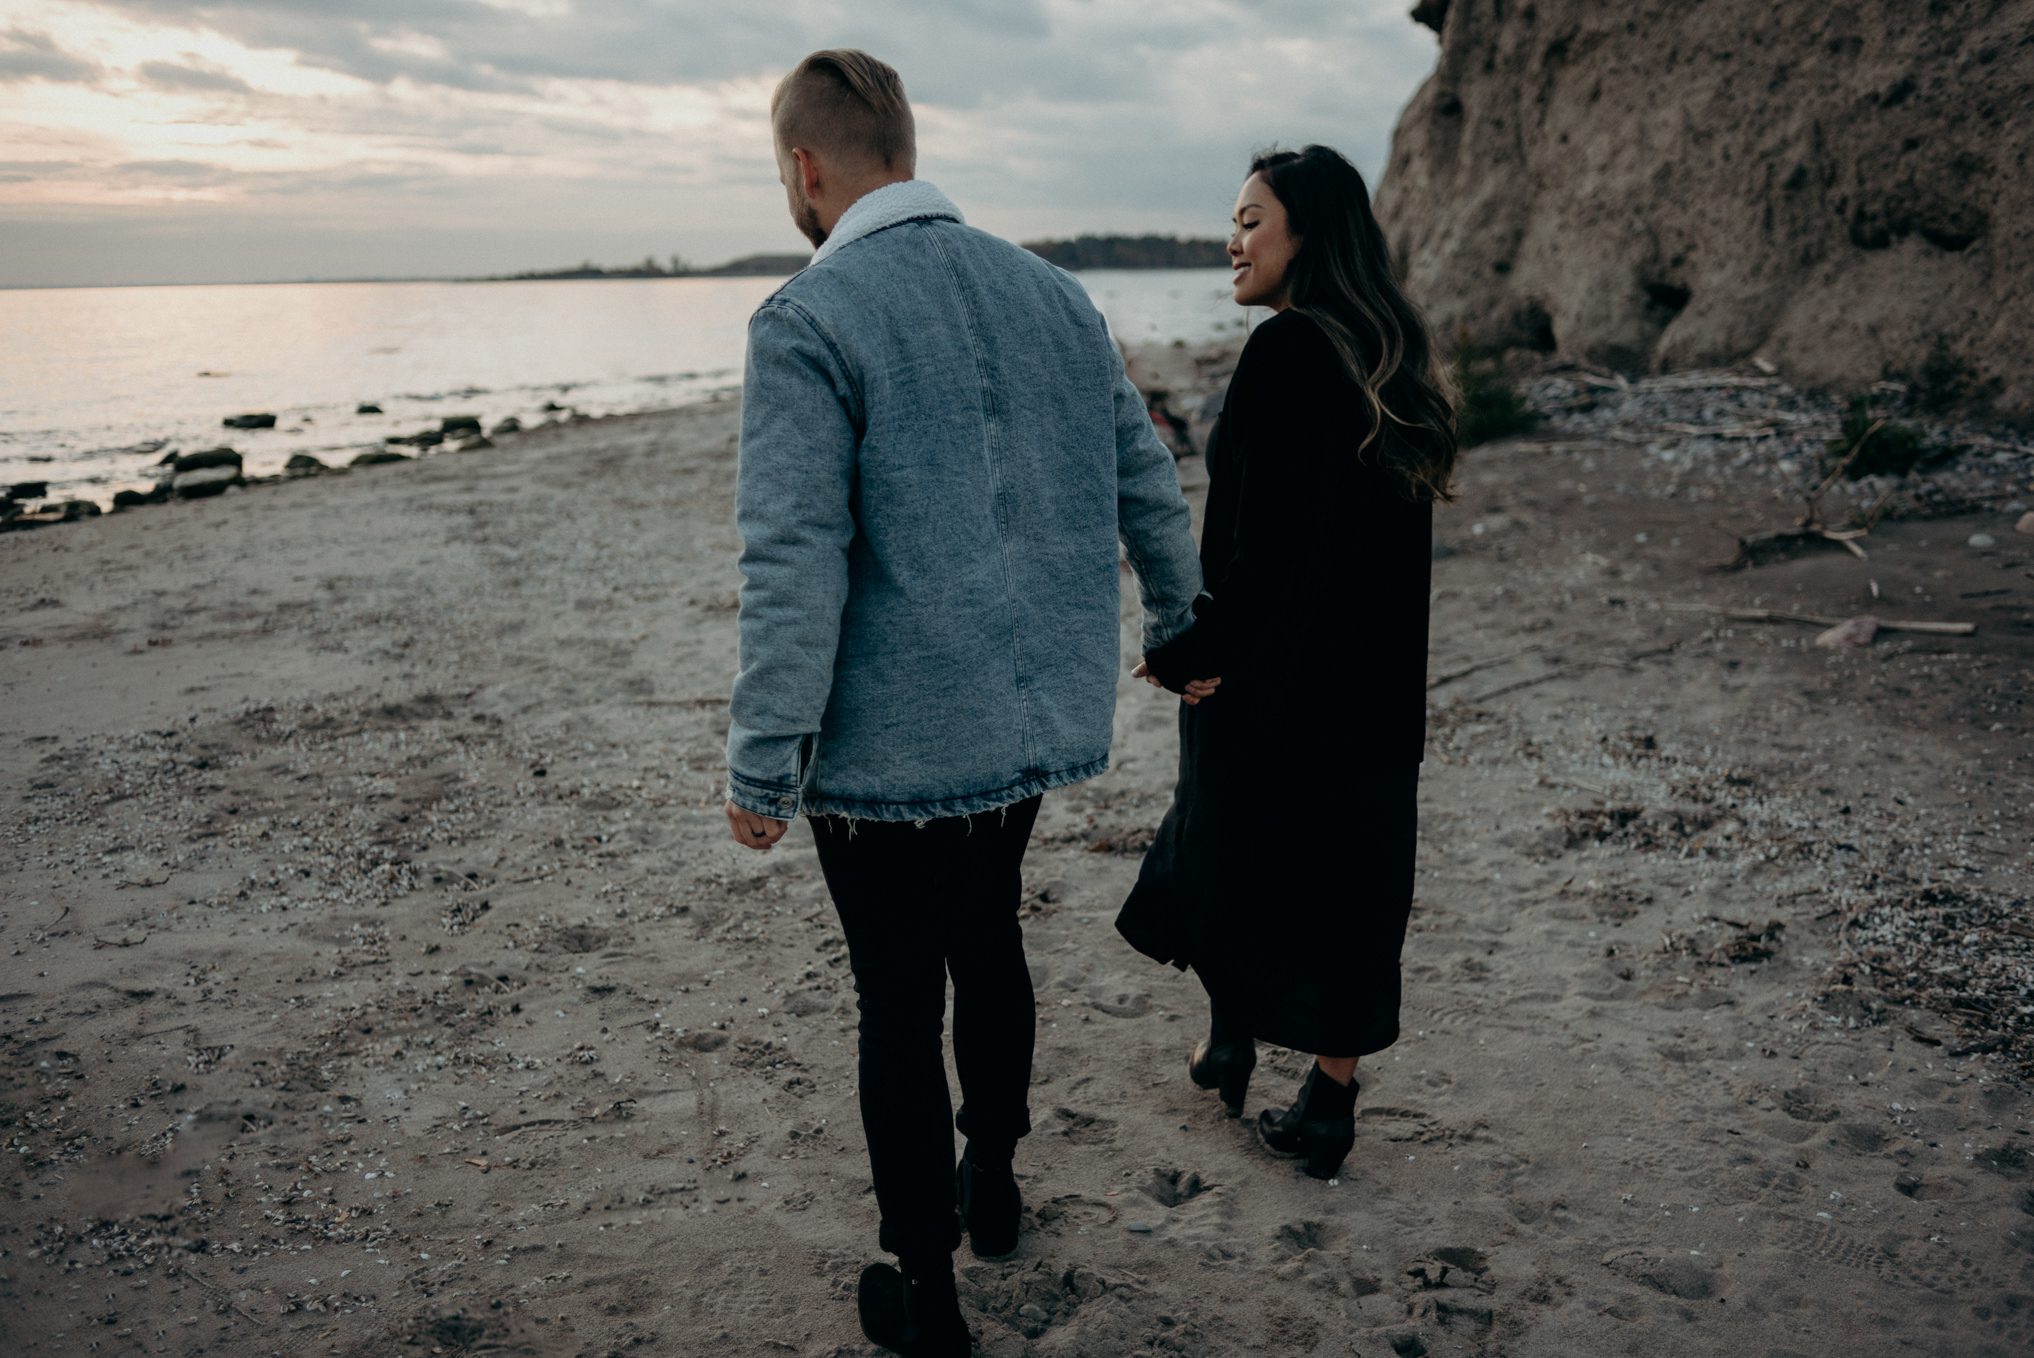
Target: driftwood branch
{"x": 1810, "y": 524}
{"x": 1940, "y": 629}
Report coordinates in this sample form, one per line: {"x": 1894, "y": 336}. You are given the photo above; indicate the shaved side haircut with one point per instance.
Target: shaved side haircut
{"x": 849, "y": 107}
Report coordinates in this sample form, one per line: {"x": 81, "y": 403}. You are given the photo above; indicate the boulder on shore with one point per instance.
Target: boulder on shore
{"x": 1840, "y": 190}
{"x": 262, "y": 421}
{"x": 374, "y": 457}
{"x": 134, "y": 499}
{"x": 511, "y": 425}
{"x": 459, "y": 424}
{"x": 303, "y": 464}
{"x": 211, "y": 457}
{"x": 203, "y": 481}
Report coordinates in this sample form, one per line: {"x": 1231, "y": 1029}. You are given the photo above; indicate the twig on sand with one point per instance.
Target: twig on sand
{"x": 1810, "y": 524}
{"x": 1618, "y": 662}
{"x": 122, "y": 886}
{"x": 58, "y": 920}
{"x": 1941, "y": 629}
{"x": 1563, "y": 672}
{"x": 681, "y": 702}
{"x": 1452, "y": 675}
{"x": 121, "y": 942}
{"x": 158, "y": 1032}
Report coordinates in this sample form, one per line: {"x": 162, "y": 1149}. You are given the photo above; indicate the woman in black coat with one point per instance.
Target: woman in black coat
{"x": 1283, "y": 873}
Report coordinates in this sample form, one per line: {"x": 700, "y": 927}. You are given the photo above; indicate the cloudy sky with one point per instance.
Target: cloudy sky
{"x": 243, "y": 140}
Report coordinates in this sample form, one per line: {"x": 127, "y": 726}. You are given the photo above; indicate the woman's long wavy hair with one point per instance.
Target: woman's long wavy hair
{"x": 1343, "y": 279}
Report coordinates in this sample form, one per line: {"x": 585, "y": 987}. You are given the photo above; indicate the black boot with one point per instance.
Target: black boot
{"x": 915, "y": 1312}
{"x": 990, "y": 1207}
{"x": 1320, "y": 1125}
{"x": 1223, "y": 1060}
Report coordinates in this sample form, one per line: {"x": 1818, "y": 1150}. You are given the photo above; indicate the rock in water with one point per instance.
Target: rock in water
{"x": 511, "y": 425}
{"x": 205, "y": 481}
{"x": 249, "y": 421}
{"x": 459, "y": 424}
{"x": 303, "y": 464}
{"x": 28, "y": 490}
{"x": 376, "y": 456}
{"x": 367, "y": 408}
{"x": 474, "y": 444}
{"x": 134, "y": 499}
{"x": 211, "y": 457}
{"x": 1819, "y": 186}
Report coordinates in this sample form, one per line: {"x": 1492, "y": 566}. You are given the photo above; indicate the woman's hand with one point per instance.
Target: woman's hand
{"x": 1196, "y": 689}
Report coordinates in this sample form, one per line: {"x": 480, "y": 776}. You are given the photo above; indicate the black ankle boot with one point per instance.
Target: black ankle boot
{"x": 990, "y": 1207}
{"x": 1223, "y": 1060}
{"x": 915, "y": 1312}
{"x": 1320, "y": 1125}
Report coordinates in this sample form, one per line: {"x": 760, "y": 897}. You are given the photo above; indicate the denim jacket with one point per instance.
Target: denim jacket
{"x": 939, "y": 454}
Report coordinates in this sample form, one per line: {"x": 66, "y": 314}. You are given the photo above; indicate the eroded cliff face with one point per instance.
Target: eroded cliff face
{"x": 1842, "y": 188}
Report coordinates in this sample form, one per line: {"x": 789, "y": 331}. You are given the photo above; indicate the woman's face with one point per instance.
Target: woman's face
{"x": 1261, "y": 247}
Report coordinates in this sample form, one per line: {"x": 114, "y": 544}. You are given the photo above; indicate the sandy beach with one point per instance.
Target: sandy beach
{"x": 382, "y": 978}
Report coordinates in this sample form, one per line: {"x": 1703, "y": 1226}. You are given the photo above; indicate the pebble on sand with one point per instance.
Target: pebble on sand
{"x": 1850, "y": 636}
{"x": 1983, "y": 540}
{"x": 2026, "y": 523}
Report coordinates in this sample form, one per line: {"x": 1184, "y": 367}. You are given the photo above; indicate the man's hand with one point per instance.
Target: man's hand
{"x": 1196, "y": 689}
{"x": 757, "y": 832}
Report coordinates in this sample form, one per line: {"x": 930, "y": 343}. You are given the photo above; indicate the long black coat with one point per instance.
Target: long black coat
{"x": 1283, "y": 873}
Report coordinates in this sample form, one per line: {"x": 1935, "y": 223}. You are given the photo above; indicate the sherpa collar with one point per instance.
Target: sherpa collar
{"x": 907, "y": 200}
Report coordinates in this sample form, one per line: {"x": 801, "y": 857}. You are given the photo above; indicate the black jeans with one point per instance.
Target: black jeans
{"x": 920, "y": 903}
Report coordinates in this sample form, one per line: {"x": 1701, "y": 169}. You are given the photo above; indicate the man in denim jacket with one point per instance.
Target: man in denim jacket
{"x": 939, "y": 455}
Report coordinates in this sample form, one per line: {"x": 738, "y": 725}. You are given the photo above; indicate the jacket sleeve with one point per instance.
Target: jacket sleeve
{"x": 1276, "y": 448}
{"x": 1153, "y": 522}
{"x": 793, "y": 489}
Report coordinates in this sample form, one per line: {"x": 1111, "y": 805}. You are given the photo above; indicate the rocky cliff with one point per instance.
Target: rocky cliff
{"x": 1842, "y": 188}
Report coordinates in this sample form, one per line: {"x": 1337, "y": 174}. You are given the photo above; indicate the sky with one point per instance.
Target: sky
{"x": 185, "y": 141}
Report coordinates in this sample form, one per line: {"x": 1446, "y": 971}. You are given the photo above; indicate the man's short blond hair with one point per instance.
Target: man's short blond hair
{"x": 846, "y": 105}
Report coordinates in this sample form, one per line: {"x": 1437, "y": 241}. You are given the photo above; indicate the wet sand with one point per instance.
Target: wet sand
{"x": 382, "y": 978}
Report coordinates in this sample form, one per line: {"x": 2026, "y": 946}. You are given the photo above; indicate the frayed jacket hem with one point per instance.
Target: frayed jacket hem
{"x": 819, "y": 804}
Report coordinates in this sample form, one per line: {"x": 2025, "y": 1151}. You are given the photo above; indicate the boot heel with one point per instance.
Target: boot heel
{"x": 1325, "y": 1154}
{"x": 1320, "y": 1127}
{"x": 1234, "y": 1085}
{"x": 1225, "y": 1069}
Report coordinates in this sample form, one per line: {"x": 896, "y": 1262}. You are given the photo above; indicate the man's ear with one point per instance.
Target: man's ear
{"x": 809, "y": 173}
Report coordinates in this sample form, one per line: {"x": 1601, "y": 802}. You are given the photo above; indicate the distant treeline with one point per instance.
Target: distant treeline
{"x": 1131, "y": 252}
{"x": 750, "y": 266}
{"x": 1082, "y": 252}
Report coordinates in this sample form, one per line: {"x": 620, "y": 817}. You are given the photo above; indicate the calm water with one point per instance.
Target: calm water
{"x": 98, "y": 384}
